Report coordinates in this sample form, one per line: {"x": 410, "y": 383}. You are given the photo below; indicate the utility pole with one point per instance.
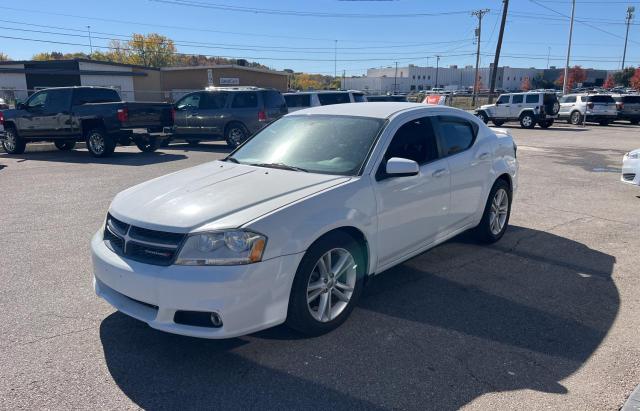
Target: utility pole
{"x": 395, "y": 80}
{"x": 496, "y": 58}
{"x": 630, "y": 11}
{"x": 437, "y": 68}
{"x": 479, "y": 14}
{"x": 335, "y": 59}
{"x": 91, "y": 45}
{"x": 566, "y": 66}
{"x": 548, "y": 55}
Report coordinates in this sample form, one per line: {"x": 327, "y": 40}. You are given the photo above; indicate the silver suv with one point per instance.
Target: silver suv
{"x": 229, "y": 113}
{"x": 529, "y": 109}
{"x": 305, "y": 99}
{"x": 596, "y": 108}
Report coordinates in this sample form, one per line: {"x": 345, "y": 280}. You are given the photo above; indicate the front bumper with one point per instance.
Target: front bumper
{"x": 248, "y": 298}
{"x": 630, "y": 170}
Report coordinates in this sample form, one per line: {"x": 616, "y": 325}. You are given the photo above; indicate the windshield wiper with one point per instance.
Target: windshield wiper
{"x": 280, "y": 166}
{"x": 232, "y": 160}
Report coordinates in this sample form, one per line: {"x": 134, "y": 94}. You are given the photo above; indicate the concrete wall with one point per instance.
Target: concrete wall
{"x": 13, "y": 85}
{"x": 124, "y": 84}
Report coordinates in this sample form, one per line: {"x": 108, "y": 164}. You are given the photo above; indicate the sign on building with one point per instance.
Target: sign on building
{"x": 210, "y": 77}
{"x": 229, "y": 81}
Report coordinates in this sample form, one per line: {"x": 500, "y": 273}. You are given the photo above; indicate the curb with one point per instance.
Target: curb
{"x": 633, "y": 402}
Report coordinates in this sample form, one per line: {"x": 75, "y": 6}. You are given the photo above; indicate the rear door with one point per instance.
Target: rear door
{"x": 517, "y": 103}
{"x": 469, "y": 164}
{"x": 567, "y": 103}
{"x": 186, "y": 111}
{"x": 244, "y": 109}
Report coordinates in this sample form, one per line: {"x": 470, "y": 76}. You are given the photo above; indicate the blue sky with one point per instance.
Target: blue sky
{"x": 301, "y": 34}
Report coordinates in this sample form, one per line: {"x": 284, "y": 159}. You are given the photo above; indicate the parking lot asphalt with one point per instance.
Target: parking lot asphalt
{"x": 546, "y": 318}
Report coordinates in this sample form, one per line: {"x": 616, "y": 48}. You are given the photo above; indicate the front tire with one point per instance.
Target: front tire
{"x": 65, "y": 145}
{"x": 483, "y": 117}
{"x": 327, "y": 284}
{"x": 498, "y": 123}
{"x": 12, "y": 142}
{"x": 235, "y": 134}
{"x": 99, "y": 143}
{"x": 496, "y": 213}
{"x": 147, "y": 144}
{"x": 576, "y": 118}
{"x": 527, "y": 120}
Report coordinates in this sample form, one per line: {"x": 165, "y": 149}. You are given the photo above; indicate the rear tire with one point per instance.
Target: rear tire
{"x": 311, "y": 289}
{"x": 575, "y": 118}
{"x": 235, "y": 134}
{"x": 12, "y": 142}
{"x": 65, "y": 145}
{"x": 147, "y": 144}
{"x": 546, "y": 123}
{"x": 99, "y": 143}
{"x": 498, "y": 123}
{"x": 496, "y": 214}
{"x": 527, "y": 120}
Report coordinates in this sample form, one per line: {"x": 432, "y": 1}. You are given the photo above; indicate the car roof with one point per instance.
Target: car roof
{"x": 383, "y": 109}
{"x": 322, "y": 92}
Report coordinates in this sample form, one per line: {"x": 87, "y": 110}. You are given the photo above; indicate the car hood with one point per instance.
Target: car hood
{"x": 486, "y": 106}
{"x": 215, "y": 195}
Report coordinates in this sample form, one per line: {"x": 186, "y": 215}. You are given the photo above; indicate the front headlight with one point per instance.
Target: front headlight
{"x": 634, "y": 155}
{"x": 229, "y": 247}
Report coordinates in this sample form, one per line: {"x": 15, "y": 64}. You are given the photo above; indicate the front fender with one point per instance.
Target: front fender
{"x": 292, "y": 229}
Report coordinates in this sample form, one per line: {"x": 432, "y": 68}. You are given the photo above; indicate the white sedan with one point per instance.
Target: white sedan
{"x": 631, "y": 168}
{"x": 288, "y": 226}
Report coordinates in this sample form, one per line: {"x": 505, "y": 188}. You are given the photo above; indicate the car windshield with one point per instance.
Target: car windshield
{"x": 317, "y": 143}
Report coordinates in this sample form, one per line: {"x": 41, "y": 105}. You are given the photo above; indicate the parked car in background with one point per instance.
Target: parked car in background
{"x": 226, "y": 113}
{"x": 305, "y": 99}
{"x": 3, "y": 104}
{"x": 270, "y": 235}
{"x": 598, "y": 108}
{"x": 95, "y": 115}
{"x": 529, "y": 109}
{"x": 631, "y": 168}
{"x": 387, "y": 97}
{"x": 628, "y": 106}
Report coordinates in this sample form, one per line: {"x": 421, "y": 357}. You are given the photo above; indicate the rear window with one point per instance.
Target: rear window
{"x": 298, "y": 100}
{"x": 94, "y": 95}
{"x": 358, "y": 98}
{"x": 273, "y": 99}
{"x": 569, "y": 99}
{"x": 532, "y": 98}
{"x": 517, "y": 99}
{"x": 333, "y": 98}
{"x": 245, "y": 100}
{"x": 601, "y": 99}
{"x": 631, "y": 99}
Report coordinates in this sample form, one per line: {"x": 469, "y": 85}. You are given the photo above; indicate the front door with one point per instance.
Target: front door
{"x": 31, "y": 124}
{"x": 517, "y": 101}
{"x": 57, "y": 113}
{"x": 213, "y": 114}
{"x": 186, "y": 121}
{"x": 502, "y": 106}
{"x": 412, "y": 210}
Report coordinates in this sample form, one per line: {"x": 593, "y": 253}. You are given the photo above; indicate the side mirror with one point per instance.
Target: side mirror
{"x": 402, "y": 167}
{"x": 21, "y": 106}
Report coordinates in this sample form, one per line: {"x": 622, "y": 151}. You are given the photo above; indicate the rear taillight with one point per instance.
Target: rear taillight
{"x": 590, "y": 106}
{"x": 123, "y": 114}
{"x": 619, "y": 106}
{"x": 1, "y": 118}
{"x": 262, "y": 116}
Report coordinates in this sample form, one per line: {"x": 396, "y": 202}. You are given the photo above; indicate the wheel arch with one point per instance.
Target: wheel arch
{"x": 526, "y": 111}
{"x": 11, "y": 124}
{"x": 90, "y": 124}
{"x": 357, "y": 235}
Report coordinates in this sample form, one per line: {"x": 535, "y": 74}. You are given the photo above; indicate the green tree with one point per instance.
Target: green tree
{"x": 152, "y": 50}
{"x": 624, "y": 77}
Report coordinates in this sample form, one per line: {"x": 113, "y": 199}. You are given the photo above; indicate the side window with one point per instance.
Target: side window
{"x": 504, "y": 99}
{"x": 189, "y": 101}
{"x": 333, "y": 98}
{"x": 298, "y": 100}
{"x": 517, "y": 99}
{"x": 273, "y": 99}
{"x": 37, "y": 100}
{"x": 213, "y": 101}
{"x": 358, "y": 98}
{"x": 455, "y": 134}
{"x": 569, "y": 99}
{"x": 532, "y": 99}
{"x": 58, "y": 100}
{"x": 415, "y": 141}
{"x": 245, "y": 100}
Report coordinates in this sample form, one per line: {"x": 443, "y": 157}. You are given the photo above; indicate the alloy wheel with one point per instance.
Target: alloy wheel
{"x": 236, "y": 135}
{"x": 9, "y": 140}
{"x": 526, "y": 121}
{"x": 96, "y": 143}
{"x": 499, "y": 210}
{"x": 331, "y": 284}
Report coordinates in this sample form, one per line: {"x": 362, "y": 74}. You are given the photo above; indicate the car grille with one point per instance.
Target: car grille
{"x": 628, "y": 176}
{"x": 141, "y": 244}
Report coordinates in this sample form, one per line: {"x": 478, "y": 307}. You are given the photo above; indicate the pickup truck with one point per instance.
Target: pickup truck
{"x": 95, "y": 115}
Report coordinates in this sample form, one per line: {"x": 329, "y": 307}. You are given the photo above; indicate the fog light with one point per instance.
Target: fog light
{"x": 216, "y": 320}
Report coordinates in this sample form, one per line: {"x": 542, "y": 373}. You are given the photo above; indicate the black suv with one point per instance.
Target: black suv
{"x": 628, "y": 106}
{"x": 229, "y": 113}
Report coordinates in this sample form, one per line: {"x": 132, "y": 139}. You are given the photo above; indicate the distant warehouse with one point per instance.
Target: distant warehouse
{"x": 19, "y": 79}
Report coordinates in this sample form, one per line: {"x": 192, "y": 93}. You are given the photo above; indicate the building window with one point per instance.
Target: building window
{"x": 429, "y": 77}
{"x": 508, "y": 78}
{"x": 412, "y": 87}
{"x": 414, "y": 76}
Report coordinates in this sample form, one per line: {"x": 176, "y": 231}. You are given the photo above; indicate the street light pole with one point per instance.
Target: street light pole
{"x": 479, "y": 14}
{"x": 90, "y": 43}
{"x": 630, "y": 11}
{"x": 395, "y": 80}
{"x": 566, "y": 67}
{"x": 437, "y": 68}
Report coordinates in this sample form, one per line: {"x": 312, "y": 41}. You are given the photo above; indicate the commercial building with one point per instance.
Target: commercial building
{"x": 18, "y": 79}
{"x": 415, "y": 78}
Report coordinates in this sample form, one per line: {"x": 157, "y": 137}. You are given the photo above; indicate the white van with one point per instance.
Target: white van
{"x": 305, "y": 99}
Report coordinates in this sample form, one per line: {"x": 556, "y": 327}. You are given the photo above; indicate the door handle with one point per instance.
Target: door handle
{"x": 439, "y": 173}
{"x": 483, "y": 156}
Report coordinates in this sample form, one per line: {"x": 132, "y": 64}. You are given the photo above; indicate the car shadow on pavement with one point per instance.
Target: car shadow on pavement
{"x": 552, "y": 128}
{"x": 121, "y": 158}
{"x": 436, "y": 332}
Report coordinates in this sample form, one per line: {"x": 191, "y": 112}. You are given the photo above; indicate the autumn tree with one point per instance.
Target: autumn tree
{"x": 623, "y": 77}
{"x": 525, "y": 85}
{"x": 635, "y": 80}
{"x": 4, "y": 57}
{"x": 576, "y": 75}
{"x": 609, "y": 83}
